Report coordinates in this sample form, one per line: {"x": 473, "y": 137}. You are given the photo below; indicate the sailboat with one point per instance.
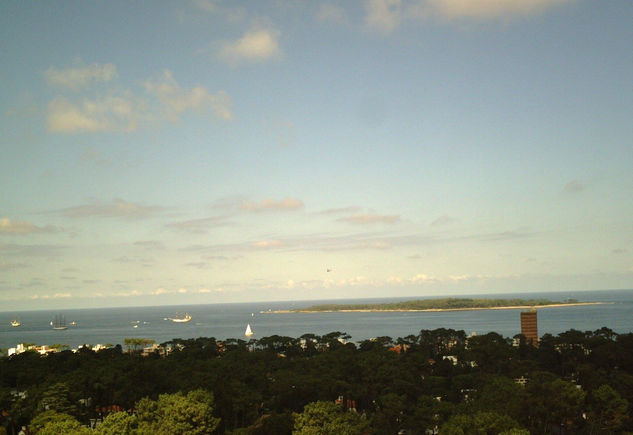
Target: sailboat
{"x": 59, "y": 323}
{"x": 15, "y": 322}
{"x": 249, "y": 331}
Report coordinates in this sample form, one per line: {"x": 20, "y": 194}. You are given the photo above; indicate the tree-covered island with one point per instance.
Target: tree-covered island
{"x": 445, "y": 304}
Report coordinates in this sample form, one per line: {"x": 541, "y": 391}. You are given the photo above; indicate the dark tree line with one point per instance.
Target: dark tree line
{"x": 573, "y": 383}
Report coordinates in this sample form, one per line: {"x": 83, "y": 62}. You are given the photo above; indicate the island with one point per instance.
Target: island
{"x": 444, "y": 304}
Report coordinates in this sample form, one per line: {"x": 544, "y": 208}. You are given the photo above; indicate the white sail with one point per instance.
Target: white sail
{"x": 249, "y": 331}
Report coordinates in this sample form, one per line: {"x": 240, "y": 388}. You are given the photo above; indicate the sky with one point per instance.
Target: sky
{"x": 211, "y": 151}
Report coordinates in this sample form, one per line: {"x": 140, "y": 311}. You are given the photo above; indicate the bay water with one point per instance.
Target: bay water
{"x": 113, "y": 325}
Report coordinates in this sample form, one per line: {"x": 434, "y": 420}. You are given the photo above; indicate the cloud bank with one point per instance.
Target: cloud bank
{"x": 115, "y": 110}
{"x": 13, "y": 227}
{"x": 384, "y": 16}
{"x": 118, "y": 208}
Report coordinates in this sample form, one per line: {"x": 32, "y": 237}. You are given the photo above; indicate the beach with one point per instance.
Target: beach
{"x": 435, "y": 310}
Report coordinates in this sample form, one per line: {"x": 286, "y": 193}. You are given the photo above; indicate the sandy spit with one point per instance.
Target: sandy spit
{"x": 515, "y": 307}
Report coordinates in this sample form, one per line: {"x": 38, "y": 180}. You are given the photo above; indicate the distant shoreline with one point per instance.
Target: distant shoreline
{"x": 376, "y": 310}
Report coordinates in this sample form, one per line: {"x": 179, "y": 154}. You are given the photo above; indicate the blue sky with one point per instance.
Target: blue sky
{"x": 217, "y": 151}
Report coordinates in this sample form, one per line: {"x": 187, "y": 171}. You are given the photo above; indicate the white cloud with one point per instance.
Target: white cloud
{"x": 13, "y": 227}
{"x": 61, "y": 295}
{"x": 356, "y": 281}
{"x": 383, "y": 15}
{"x": 66, "y": 117}
{"x": 120, "y": 111}
{"x": 112, "y": 113}
{"x": 287, "y": 204}
{"x": 463, "y": 278}
{"x": 363, "y": 219}
{"x": 128, "y": 294}
{"x": 53, "y": 296}
{"x": 421, "y": 278}
{"x": 345, "y": 282}
{"x": 81, "y": 75}
{"x": 175, "y": 100}
{"x": 256, "y": 45}
{"x": 490, "y": 9}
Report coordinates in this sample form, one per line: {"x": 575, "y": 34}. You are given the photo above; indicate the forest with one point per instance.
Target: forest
{"x": 438, "y": 381}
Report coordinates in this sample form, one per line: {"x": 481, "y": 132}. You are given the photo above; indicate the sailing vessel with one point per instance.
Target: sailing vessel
{"x": 249, "y": 331}
{"x": 185, "y": 319}
{"x": 59, "y": 323}
{"x": 15, "y": 322}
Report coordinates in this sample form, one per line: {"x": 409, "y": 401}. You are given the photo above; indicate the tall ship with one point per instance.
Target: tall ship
{"x": 59, "y": 323}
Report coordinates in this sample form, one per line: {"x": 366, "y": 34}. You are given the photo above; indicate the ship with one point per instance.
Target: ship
{"x": 59, "y": 323}
{"x": 15, "y": 322}
{"x": 249, "y": 331}
{"x": 185, "y": 319}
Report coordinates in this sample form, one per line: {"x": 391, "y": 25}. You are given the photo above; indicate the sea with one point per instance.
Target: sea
{"x": 222, "y": 321}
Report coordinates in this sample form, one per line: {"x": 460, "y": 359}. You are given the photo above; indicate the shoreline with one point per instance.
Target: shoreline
{"x": 376, "y": 310}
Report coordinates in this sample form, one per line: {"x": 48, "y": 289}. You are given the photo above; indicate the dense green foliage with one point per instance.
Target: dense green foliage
{"x": 573, "y": 383}
{"x": 328, "y": 418}
{"x": 435, "y": 304}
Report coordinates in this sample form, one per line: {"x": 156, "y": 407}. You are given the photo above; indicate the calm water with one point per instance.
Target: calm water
{"x": 113, "y": 325}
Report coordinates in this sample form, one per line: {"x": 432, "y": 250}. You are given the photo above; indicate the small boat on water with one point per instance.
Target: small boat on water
{"x": 15, "y": 322}
{"x": 185, "y": 319}
{"x": 249, "y": 331}
{"x": 59, "y": 323}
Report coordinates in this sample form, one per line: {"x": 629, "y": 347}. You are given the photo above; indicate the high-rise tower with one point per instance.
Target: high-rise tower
{"x": 529, "y": 326}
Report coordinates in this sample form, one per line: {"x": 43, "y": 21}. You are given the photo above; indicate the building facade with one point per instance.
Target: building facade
{"x": 529, "y": 326}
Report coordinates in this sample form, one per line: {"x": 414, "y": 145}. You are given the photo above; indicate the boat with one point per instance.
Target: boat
{"x": 15, "y": 322}
{"x": 59, "y": 323}
{"x": 185, "y": 319}
{"x": 249, "y": 331}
